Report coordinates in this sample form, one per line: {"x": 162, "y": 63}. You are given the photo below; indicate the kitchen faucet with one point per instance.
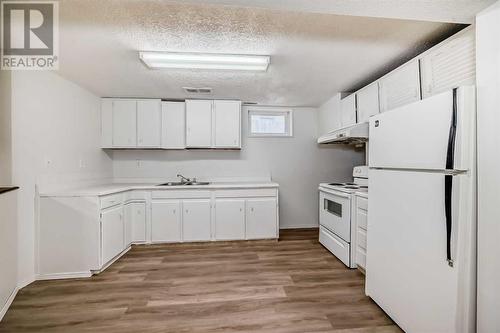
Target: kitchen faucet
{"x": 183, "y": 179}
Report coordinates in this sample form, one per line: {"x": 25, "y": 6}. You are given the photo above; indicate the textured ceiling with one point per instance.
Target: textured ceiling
{"x": 453, "y": 11}
{"x": 313, "y": 55}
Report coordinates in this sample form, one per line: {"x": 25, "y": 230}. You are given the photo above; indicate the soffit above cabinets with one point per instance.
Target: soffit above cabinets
{"x": 312, "y": 55}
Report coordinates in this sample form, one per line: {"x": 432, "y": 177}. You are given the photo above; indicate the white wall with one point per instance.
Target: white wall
{"x": 488, "y": 94}
{"x": 56, "y": 139}
{"x": 298, "y": 164}
{"x": 5, "y": 132}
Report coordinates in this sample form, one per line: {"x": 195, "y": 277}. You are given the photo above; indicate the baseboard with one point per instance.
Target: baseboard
{"x": 300, "y": 226}
{"x": 8, "y": 303}
{"x": 61, "y": 276}
{"x": 24, "y": 283}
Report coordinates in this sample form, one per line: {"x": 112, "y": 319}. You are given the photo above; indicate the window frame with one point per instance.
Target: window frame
{"x": 288, "y": 113}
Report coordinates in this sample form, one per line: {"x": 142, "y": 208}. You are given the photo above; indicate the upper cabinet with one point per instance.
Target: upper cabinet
{"x": 199, "y": 123}
{"x": 348, "y": 110}
{"x": 445, "y": 66}
{"x": 153, "y": 124}
{"x": 449, "y": 64}
{"x": 173, "y": 116}
{"x": 124, "y": 124}
{"x": 400, "y": 87}
{"x": 367, "y": 102}
{"x": 128, "y": 123}
{"x": 329, "y": 115}
{"x": 227, "y": 117}
{"x": 149, "y": 124}
{"x": 213, "y": 124}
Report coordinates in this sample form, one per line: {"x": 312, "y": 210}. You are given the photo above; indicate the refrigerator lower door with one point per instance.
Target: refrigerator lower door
{"x": 407, "y": 271}
{"x": 418, "y": 135}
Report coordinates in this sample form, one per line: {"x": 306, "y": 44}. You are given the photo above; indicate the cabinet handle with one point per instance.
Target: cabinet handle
{"x": 187, "y": 211}
{"x": 251, "y": 209}
{"x": 174, "y": 211}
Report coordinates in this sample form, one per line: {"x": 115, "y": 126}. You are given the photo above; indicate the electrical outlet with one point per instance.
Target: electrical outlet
{"x": 139, "y": 163}
{"x": 82, "y": 163}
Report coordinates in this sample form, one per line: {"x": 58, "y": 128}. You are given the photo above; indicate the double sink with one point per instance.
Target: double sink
{"x": 184, "y": 184}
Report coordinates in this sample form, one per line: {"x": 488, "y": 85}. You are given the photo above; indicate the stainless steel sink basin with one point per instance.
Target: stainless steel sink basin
{"x": 184, "y": 184}
{"x": 172, "y": 184}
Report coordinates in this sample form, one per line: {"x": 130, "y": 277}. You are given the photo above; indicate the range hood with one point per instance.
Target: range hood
{"x": 355, "y": 135}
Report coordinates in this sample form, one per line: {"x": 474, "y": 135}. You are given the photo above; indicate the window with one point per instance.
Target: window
{"x": 269, "y": 122}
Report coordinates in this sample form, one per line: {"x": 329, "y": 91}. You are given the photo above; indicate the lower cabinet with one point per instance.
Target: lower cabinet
{"x": 222, "y": 215}
{"x": 196, "y": 217}
{"x": 361, "y": 218}
{"x": 135, "y": 222}
{"x": 166, "y": 221}
{"x": 229, "y": 219}
{"x": 112, "y": 233}
{"x": 261, "y": 219}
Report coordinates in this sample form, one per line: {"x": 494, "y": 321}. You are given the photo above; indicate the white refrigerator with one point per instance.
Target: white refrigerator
{"x": 421, "y": 245}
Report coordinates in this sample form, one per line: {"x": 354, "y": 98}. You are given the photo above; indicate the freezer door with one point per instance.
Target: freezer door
{"x": 420, "y": 136}
{"x": 407, "y": 271}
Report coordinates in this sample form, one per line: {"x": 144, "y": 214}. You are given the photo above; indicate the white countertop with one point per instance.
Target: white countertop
{"x": 112, "y": 188}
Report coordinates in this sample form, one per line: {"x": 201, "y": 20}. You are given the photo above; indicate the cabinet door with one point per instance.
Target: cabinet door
{"x": 367, "y": 102}
{"x": 198, "y": 123}
{"x": 229, "y": 219}
{"x": 227, "y": 124}
{"x": 196, "y": 220}
{"x": 166, "y": 221}
{"x": 173, "y": 125}
{"x": 348, "y": 110}
{"x": 149, "y": 124}
{"x": 106, "y": 123}
{"x": 400, "y": 87}
{"x": 112, "y": 234}
{"x": 450, "y": 65}
{"x": 135, "y": 222}
{"x": 261, "y": 218}
{"x": 124, "y": 124}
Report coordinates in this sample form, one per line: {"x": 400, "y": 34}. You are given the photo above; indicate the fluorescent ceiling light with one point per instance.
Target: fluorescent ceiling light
{"x": 237, "y": 62}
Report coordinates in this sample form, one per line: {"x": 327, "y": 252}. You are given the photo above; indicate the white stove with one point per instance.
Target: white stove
{"x": 335, "y": 215}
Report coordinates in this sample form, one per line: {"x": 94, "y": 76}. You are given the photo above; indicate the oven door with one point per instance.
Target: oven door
{"x": 335, "y": 213}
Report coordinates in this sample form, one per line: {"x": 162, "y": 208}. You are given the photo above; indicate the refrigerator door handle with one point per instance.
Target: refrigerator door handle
{"x": 448, "y": 180}
{"x": 448, "y": 198}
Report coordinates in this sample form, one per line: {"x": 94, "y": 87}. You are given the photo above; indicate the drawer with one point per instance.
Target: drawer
{"x": 361, "y": 238}
{"x": 362, "y": 203}
{"x": 362, "y": 219}
{"x": 335, "y": 245}
{"x": 181, "y": 194}
{"x": 361, "y": 258}
{"x": 135, "y": 195}
{"x": 111, "y": 200}
{"x": 246, "y": 193}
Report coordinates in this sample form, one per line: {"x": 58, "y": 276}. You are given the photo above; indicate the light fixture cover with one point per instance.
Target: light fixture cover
{"x": 239, "y": 62}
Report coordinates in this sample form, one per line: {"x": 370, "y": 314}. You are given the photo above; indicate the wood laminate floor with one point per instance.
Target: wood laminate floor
{"x": 293, "y": 285}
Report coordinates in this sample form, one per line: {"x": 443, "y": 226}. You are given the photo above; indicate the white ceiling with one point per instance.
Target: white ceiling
{"x": 452, "y": 11}
{"x": 313, "y": 55}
